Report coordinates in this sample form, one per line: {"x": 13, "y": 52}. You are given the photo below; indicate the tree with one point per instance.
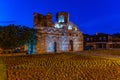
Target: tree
{"x": 13, "y": 36}
{"x": 116, "y": 35}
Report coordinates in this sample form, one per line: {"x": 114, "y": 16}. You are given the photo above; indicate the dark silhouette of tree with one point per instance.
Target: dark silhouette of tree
{"x": 116, "y": 35}
{"x": 13, "y": 36}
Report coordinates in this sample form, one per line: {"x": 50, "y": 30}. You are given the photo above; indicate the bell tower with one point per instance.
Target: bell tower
{"x": 43, "y": 20}
{"x": 39, "y": 19}
{"x": 62, "y": 17}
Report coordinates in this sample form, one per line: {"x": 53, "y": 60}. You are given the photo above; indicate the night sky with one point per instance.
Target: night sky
{"x": 90, "y": 16}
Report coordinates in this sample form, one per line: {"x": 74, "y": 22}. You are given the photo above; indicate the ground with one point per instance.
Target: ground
{"x": 3, "y": 75}
{"x": 87, "y": 65}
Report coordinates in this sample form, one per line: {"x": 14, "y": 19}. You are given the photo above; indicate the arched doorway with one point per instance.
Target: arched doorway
{"x": 71, "y": 45}
{"x": 55, "y": 47}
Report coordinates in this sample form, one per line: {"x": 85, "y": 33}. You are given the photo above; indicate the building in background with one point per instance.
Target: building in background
{"x": 61, "y": 36}
{"x": 101, "y": 41}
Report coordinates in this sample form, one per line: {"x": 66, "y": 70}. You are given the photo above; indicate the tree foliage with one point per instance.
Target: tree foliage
{"x": 13, "y": 36}
{"x": 116, "y": 35}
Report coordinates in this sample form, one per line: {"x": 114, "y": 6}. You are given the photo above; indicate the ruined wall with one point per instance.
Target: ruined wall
{"x": 65, "y": 14}
{"x": 43, "y": 20}
{"x": 40, "y": 46}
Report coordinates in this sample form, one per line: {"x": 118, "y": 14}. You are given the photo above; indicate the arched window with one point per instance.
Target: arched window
{"x": 61, "y": 18}
{"x": 75, "y": 29}
{"x": 70, "y": 27}
{"x": 57, "y": 26}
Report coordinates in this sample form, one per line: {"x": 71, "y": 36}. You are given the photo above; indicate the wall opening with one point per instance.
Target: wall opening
{"x": 71, "y": 45}
{"x": 55, "y": 47}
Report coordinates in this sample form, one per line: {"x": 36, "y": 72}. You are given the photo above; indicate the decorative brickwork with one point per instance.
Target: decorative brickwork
{"x": 62, "y": 36}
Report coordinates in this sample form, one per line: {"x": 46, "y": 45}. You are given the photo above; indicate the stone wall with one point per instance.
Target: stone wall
{"x": 62, "y": 36}
{"x": 50, "y": 40}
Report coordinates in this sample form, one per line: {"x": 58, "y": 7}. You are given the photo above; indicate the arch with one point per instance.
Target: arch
{"x": 71, "y": 45}
{"x": 61, "y": 18}
{"x": 55, "y": 47}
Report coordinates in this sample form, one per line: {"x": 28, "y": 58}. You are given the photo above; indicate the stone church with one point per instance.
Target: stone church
{"x": 61, "y": 36}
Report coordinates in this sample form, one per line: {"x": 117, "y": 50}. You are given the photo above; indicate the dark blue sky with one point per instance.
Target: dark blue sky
{"x": 90, "y": 15}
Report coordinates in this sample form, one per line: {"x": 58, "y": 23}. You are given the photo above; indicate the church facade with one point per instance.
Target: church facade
{"x": 61, "y": 36}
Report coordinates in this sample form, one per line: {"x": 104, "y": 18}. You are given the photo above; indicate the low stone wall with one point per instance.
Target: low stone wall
{"x": 12, "y": 54}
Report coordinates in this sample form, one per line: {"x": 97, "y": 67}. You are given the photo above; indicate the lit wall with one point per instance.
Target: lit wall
{"x": 49, "y": 43}
{"x": 32, "y": 45}
{"x": 31, "y": 49}
{"x": 76, "y": 44}
{"x": 63, "y": 43}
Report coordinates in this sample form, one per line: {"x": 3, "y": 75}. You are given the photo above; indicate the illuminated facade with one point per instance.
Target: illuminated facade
{"x": 61, "y": 36}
